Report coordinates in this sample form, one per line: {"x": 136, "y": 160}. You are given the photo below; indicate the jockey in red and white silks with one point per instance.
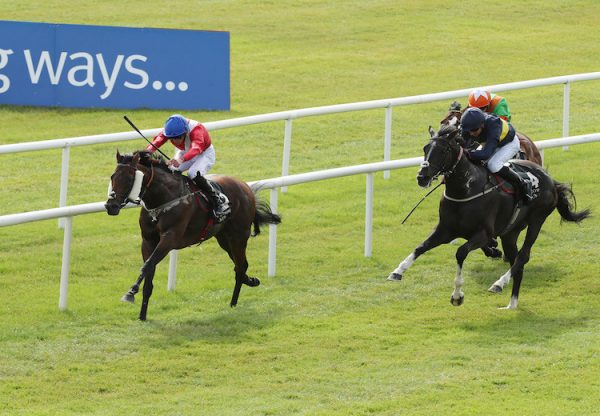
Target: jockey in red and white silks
{"x": 195, "y": 152}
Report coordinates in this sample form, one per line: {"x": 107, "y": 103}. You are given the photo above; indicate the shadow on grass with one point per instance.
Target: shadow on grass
{"x": 535, "y": 275}
{"x": 524, "y": 327}
{"x": 227, "y": 325}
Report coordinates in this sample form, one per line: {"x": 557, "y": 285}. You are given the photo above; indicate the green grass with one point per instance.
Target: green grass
{"x": 328, "y": 335}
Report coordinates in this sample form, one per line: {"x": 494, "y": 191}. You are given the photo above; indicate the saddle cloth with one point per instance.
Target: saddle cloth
{"x": 525, "y": 174}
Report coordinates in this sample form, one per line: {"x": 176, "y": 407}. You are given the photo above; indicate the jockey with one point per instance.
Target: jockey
{"x": 500, "y": 143}
{"x": 195, "y": 153}
{"x": 490, "y": 103}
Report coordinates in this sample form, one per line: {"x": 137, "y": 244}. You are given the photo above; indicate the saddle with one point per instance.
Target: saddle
{"x": 194, "y": 188}
{"x": 526, "y": 176}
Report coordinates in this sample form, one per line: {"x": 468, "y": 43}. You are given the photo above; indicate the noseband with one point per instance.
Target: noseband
{"x": 136, "y": 199}
{"x": 442, "y": 170}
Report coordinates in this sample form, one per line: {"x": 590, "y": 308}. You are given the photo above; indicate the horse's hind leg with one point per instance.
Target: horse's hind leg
{"x": 236, "y": 248}
{"x": 509, "y": 244}
{"x": 521, "y": 260}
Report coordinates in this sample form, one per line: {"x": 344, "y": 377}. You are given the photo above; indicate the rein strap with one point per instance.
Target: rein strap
{"x": 480, "y": 194}
{"x": 161, "y": 209}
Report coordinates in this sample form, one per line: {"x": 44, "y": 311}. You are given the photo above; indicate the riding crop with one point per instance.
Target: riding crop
{"x": 136, "y": 129}
{"x": 422, "y": 199}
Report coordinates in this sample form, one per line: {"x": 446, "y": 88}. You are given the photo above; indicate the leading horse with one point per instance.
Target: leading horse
{"x": 474, "y": 207}
{"x": 176, "y": 215}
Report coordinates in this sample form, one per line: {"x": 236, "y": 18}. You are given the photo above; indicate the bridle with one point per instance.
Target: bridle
{"x": 132, "y": 177}
{"x": 441, "y": 170}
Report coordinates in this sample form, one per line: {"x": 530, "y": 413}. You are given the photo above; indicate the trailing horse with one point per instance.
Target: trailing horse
{"x": 175, "y": 215}
{"x": 474, "y": 207}
{"x": 528, "y": 148}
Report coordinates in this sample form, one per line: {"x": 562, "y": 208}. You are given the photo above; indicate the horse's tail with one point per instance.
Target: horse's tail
{"x": 566, "y": 204}
{"x": 263, "y": 214}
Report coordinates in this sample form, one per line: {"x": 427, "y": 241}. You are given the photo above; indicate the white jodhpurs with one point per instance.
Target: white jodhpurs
{"x": 201, "y": 163}
{"x": 503, "y": 154}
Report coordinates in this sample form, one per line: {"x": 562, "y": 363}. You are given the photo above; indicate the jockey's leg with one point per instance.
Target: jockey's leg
{"x": 497, "y": 164}
{"x": 219, "y": 200}
{"x": 524, "y": 187}
{"x": 198, "y": 168}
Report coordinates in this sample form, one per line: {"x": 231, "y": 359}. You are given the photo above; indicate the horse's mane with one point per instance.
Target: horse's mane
{"x": 147, "y": 159}
{"x": 447, "y": 130}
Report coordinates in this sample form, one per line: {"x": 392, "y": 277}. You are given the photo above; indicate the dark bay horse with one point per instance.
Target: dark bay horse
{"x": 475, "y": 208}
{"x": 528, "y": 148}
{"x": 175, "y": 216}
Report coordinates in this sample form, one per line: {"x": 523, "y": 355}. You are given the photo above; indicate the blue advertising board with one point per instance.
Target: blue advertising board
{"x": 59, "y": 65}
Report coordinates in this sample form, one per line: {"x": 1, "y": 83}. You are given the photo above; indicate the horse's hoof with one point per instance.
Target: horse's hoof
{"x": 457, "y": 302}
{"x": 128, "y": 297}
{"x": 495, "y": 289}
{"x": 495, "y": 253}
{"x": 252, "y": 282}
{"x": 232, "y": 305}
{"x": 394, "y": 277}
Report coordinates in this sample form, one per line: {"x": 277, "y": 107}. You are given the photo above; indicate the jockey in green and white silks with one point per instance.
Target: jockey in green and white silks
{"x": 490, "y": 103}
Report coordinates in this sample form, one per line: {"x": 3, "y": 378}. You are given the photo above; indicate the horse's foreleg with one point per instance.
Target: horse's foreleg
{"x": 148, "y": 269}
{"x": 516, "y": 270}
{"x": 439, "y": 236}
{"x": 148, "y": 247}
{"x": 478, "y": 240}
{"x": 491, "y": 250}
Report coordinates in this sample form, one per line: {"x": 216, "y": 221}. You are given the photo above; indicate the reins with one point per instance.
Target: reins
{"x": 440, "y": 172}
{"x": 480, "y": 194}
{"x": 419, "y": 203}
{"x": 149, "y": 182}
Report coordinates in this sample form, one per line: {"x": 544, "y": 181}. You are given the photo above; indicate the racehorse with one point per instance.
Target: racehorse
{"x": 175, "y": 215}
{"x": 475, "y": 208}
{"x": 528, "y": 148}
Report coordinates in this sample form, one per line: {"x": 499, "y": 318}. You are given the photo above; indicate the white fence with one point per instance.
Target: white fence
{"x": 288, "y": 116}
{"x": 273, "y": 184}
{"x": 66, "y": 212}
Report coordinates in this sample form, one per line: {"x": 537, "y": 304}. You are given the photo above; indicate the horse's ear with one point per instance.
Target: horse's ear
{"x": 455, "y": 106}
{"x": 431, "y": 131}
{"x": 136, "y": 158}
{"x": 118, "y": 156}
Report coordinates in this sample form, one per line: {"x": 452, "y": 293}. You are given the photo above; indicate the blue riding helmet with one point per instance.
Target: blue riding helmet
{"x": 175, "y": 126}
{"x": 472, "y": 119}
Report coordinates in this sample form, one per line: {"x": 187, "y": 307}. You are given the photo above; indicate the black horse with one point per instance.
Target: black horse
{"x": 475, "y": 207}
{"x": 176, "y": 215}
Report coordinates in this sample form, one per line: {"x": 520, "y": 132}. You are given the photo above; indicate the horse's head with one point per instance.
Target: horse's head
{"x": 441, "y": 155}
{"x": 122, "y": 182}
{"x": 453, "y": 116}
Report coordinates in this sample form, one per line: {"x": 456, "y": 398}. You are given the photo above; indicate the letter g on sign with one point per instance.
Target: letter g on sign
{"x": 4, "y": 80}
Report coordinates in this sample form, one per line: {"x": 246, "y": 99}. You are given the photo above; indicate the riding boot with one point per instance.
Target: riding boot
{"x": 219, "y": 200}
{"x": 522, "y": 186}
